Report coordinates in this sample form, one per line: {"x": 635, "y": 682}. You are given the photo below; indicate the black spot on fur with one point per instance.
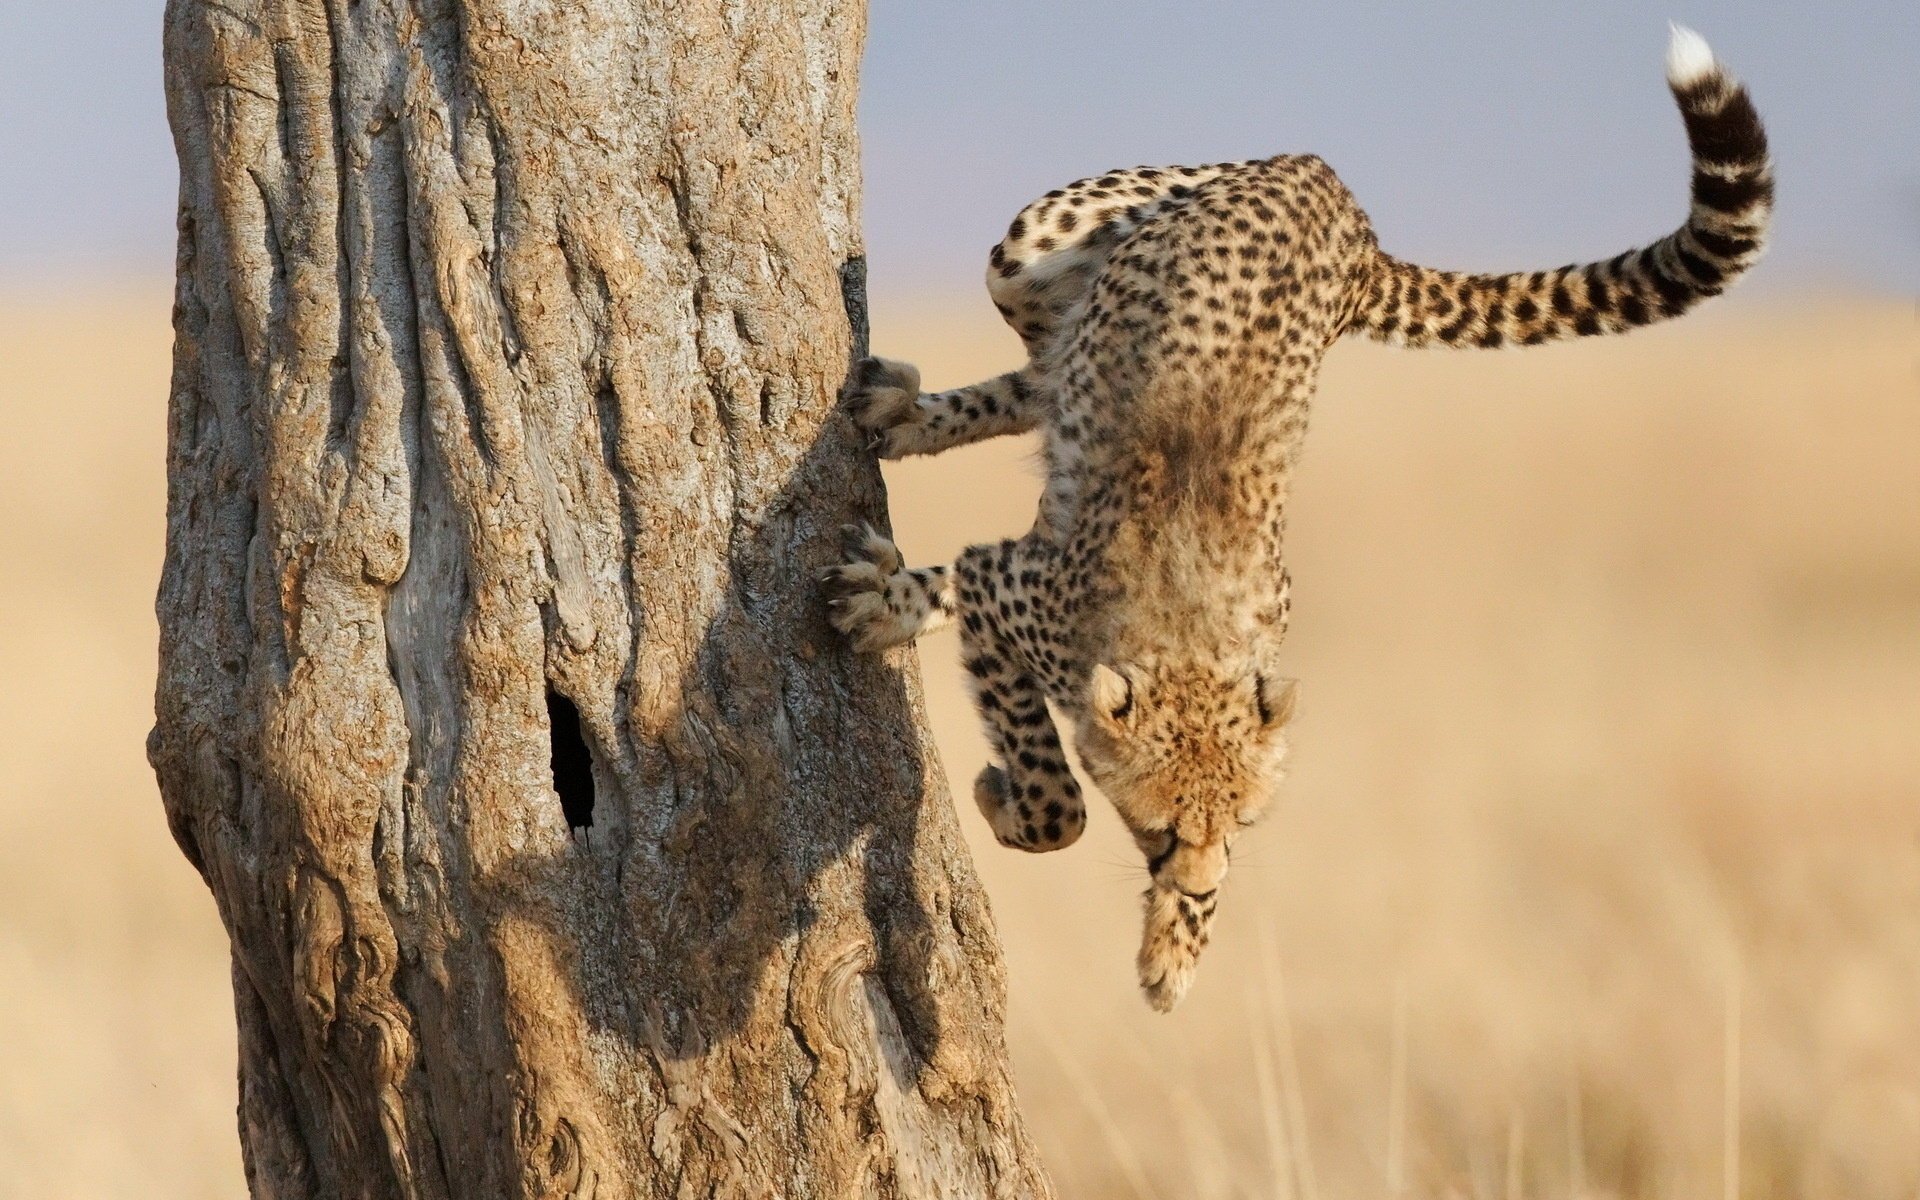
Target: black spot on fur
{"x": 1724, "y": 245}
{"x": 1598, "y": 296}
{"x": 1728, "y": 134}
{"x": 1731, "y": 195}
{"x": 1675, "y": 294}
{"x": 1706, "y": 274}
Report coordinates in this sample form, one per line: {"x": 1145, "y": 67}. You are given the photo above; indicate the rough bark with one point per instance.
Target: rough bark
{"x": 507, "y": 343}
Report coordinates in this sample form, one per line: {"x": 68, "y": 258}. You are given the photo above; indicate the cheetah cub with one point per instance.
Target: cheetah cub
{"x": 1175, "y": 320}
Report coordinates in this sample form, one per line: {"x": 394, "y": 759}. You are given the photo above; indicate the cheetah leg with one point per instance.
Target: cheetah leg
{"x": 885, "y": 400}
{"x": 1031, "y": 799}
{"x": 1177, "y": 928}
{"x": 1038, "y": 276}
{"x": 1056, "y": 247}
{"x": 877, "y": 601}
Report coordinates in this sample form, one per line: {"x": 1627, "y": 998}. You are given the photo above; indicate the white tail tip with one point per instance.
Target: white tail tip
{"x": 1689, "y": 58}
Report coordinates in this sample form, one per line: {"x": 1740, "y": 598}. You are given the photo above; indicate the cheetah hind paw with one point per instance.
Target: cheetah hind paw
{"x": 1016, "y": 825}
{"x": 859, "y": 595}
{"x": 883, "y": 398}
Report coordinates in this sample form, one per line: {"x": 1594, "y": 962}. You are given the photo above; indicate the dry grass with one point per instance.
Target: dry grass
{"x": 1606, "y": 797}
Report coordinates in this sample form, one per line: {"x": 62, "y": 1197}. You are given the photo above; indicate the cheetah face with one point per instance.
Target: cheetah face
{"x": 1189, "y": 757}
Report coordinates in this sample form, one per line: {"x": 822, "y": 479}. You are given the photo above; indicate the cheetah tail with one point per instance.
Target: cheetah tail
{"x": 1724, "y": 234}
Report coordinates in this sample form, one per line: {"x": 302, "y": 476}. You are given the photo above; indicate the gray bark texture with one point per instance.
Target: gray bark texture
{"x": 508, "y": 335}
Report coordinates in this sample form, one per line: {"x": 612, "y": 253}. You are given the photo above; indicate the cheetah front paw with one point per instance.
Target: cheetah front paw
{"x": 1177, "y": 930}
{"x": 883, "y": 398}
{"x": 870, "y": 598}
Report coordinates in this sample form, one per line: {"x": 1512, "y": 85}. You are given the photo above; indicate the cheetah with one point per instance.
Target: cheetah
{"x": 1175, "y": 319}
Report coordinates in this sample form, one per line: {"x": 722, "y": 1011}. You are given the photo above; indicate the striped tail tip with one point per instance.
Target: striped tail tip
{"x": 1689, "y": 58}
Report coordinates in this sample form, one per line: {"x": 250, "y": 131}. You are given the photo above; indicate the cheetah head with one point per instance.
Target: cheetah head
{"x": 1190, "y": 756}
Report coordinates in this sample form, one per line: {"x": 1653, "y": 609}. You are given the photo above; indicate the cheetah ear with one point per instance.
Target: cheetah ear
{"x": 1111, "y": 693}
{"x": 1275, "y": 698}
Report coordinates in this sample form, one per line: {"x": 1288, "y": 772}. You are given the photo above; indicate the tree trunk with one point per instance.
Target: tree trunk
{"x": 562, "y": 848}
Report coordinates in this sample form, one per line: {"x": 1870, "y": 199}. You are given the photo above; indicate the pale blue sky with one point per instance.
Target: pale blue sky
{"x": 1485, "y": 135}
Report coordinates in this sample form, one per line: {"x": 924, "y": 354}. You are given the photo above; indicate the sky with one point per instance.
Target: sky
{"x": 1505, "y": 134}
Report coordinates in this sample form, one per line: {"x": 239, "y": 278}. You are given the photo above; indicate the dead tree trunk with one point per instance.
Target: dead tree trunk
{"x": 562, "y": 848}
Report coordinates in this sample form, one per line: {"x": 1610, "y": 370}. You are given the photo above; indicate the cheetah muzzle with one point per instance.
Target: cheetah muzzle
{"x": 1175, "y": 319}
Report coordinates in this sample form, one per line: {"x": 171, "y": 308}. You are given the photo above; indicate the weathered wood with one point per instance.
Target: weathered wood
{"x": 507, "y": 344}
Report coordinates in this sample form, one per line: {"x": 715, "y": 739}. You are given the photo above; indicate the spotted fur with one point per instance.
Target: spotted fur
{"x": 1175, "y": 319}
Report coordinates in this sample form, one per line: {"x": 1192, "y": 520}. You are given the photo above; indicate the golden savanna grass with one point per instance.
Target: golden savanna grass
{"x": 1597, "y": 873}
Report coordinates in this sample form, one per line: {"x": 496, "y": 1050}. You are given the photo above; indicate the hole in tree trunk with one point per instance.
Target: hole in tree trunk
{"x": 572, "y": 762}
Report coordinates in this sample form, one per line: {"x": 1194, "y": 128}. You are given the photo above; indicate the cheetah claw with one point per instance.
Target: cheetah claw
{"x": 991, "y": 796}
{"x": 861, "y": 591}
{"x": 864, "y": 543}
{"x": 883, "y": 397}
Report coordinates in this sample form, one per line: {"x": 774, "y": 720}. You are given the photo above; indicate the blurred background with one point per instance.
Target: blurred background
{"x": 1598, "y": 871}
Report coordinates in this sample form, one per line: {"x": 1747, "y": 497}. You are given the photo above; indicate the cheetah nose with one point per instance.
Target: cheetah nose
{"x": 1193, "y": 869}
